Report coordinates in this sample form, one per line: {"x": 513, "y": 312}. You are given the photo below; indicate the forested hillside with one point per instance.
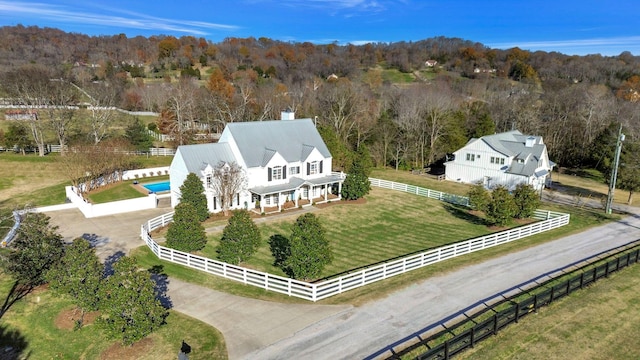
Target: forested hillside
{"x": 408, "y": 113}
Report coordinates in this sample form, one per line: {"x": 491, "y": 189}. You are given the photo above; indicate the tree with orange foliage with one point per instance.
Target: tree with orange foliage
{"x": 630, "y": 89}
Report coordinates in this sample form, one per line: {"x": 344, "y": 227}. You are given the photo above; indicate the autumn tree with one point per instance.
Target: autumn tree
{"x": 186, "y": 233}
{"x": 240, "y": 238}
{"x": 37, "y": 247}
{"x": 310, "y": 251}
{"x": 79, "y": 275}
{"x": 227, "y": 181}
{"x": 192, "y": 192}
{"x": 130, "y": 309}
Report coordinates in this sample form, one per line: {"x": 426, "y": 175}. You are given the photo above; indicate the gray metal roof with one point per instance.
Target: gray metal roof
{"x": 290, "y": 138}
{"x": 513, "y": 144}
{"x": 196, "y": 157}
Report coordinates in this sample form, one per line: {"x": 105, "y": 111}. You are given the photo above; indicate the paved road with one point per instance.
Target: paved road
{"x": 255, "y": 329}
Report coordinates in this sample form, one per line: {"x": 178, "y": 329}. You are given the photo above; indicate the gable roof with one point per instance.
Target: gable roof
{"x": 513, "y": 144}
{"x": 292, "y": 139}
{"x": 197, "y": 157}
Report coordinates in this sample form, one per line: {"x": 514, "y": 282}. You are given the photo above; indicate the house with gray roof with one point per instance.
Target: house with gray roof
{"x": 507, "y": 159}
{"x": 286, "y": 164}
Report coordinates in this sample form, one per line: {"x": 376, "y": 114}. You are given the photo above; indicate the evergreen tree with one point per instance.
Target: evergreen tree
{"x": 130, "y": 310}
{"x": 310, "y": 251}
{"x": 17, "y": 135}
{"x": 192, "y": 192}
{"x": 240, "y": 238}
{"x": 357, "y": 184}
{"x": 78, "y": 274}
{"x": 35, "y": 250}
{"x": 502, "y": 207}
{"x": 186, "y": 233}
{"x": 526, "y": 199}
{"x": 138, "y": 135}
{"x": 479, "y": 197}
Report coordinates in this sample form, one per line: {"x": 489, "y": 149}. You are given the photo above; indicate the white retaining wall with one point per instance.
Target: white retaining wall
{"x": 144, "y": 173}
{"x": 115, "y": 207}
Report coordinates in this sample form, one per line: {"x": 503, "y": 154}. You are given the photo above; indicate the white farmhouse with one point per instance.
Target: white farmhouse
{"x": 507, "y": 159}
{"x": 284, "y": 161}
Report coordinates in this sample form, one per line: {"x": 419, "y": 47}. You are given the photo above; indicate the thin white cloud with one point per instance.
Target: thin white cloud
{"x": 133, "y": 20}
{"x": 336, "y": 7}
{"x": 589, "y": 45}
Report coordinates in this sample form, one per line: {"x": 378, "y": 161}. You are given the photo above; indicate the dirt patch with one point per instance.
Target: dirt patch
{"x": 66, "y": 319}
{"x": 133, "y": 352}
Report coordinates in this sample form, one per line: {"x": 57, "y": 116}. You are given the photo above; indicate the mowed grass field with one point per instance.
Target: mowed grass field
{"x": 390, "y": 224}
{"x": 600, "y": 322}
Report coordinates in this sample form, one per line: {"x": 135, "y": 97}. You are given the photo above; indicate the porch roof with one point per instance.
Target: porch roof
{"x": 295, "y": 183}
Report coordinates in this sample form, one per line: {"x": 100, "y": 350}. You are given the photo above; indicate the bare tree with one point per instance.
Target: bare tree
{"x": 228, "y": 180}
{"x": 62, "y": 98}
{"x": 101, "y": 112}
{"x": 182, "y": 109}
{"x": 30, "y": 86}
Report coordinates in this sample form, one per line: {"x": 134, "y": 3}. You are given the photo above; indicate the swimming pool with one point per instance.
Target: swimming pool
{"x": 158, "y": 187}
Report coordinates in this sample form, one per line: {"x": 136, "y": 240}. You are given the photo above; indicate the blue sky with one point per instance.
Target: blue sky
{"x": 567, "y": 26}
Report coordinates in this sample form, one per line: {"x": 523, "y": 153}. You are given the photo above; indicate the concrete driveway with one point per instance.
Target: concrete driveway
{"x": 109, "y": 234}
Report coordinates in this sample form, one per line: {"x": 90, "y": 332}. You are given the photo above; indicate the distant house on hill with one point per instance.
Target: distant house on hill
{"x": 507, "y": 159}
{"x": 284, "y": 161}
{"x": 20, "y": 115}
{"x": 430, "y": 63}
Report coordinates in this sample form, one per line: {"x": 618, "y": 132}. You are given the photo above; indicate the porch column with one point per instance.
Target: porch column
{"x": 339, "y": 190}
{"x": 279, "y": 201}
{"x": 296, "y": 195}
{"x": 261, "y": 203}
{"x": 326, "y": 192}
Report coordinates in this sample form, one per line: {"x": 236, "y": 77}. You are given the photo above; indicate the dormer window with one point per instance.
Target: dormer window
{"x": 314, "y": 167}
{"x": 277, "y": 173}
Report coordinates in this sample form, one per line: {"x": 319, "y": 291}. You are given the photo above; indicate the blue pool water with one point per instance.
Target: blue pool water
{"x": 158, "y": 187}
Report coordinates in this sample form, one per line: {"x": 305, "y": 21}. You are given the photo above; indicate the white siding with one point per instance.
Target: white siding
{"x": 177, "y": 175}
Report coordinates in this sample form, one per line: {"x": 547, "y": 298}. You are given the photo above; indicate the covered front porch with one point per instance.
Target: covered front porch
{"x": 295, "y": 194}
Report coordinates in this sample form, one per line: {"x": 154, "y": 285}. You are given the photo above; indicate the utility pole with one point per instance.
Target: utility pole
{"x": 614, "y": 173}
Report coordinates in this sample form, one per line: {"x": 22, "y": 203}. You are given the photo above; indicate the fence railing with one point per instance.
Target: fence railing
{"x": 459, "y": 337}
{"x": 14, "y": 229}
{"x": 548, "y": 220}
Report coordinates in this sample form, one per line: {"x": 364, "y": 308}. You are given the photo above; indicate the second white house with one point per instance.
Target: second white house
{"x": 506, "y": 159}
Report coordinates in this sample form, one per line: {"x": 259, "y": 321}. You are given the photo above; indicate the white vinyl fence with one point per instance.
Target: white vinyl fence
{"x": 548, "y": 220}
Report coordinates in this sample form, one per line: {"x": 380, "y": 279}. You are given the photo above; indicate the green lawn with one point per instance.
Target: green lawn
{"x": 389, "y": 225}
{"x": 36, "y": 320}
{"x": 596, "y": 323}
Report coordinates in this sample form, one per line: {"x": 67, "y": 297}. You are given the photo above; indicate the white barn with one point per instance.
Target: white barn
{"x": 507, "y": 159}
{"x": 284, "y": 161}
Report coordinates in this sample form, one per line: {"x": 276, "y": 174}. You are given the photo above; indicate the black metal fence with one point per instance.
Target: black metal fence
{"x": 489, "y": 321}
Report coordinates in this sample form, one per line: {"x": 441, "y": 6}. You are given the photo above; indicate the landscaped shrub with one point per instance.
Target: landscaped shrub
{"x": 186, "y": 233}
{"x": 309, "y": 250}
{"x": 240, "y": 238}
{"x": 479, "y": 197}
{"x": 527, "y": 200}
{"x": 502, "y": 207}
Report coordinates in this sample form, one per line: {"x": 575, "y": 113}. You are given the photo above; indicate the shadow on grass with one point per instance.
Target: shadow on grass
{"x": 12, "y": 344}
{"x": 17, "y": 292}
{"x": 162, "y": 285}
{"x": 462, "y": 213}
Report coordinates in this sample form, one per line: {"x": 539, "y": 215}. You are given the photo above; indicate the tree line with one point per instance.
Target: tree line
{"x": 380, "y": 95}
